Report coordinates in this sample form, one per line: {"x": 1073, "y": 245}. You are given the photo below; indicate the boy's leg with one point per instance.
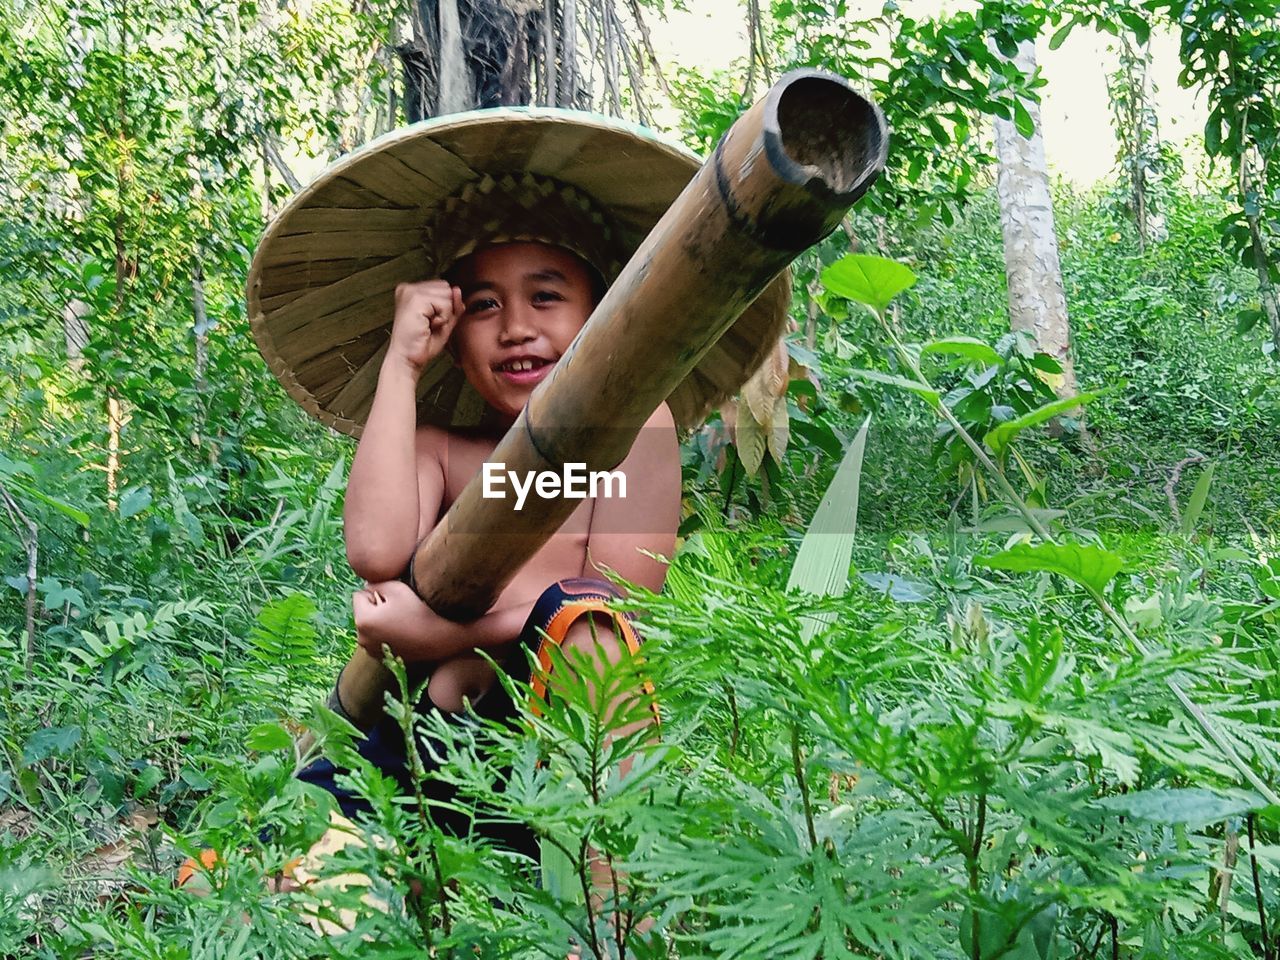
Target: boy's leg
{"x": 574, "y": 614}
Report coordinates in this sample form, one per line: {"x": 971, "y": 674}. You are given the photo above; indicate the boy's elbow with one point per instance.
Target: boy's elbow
{"x": 372, "y": 565}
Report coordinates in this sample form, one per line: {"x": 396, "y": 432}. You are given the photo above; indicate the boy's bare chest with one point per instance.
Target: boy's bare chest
{"x": 562, "y": 556}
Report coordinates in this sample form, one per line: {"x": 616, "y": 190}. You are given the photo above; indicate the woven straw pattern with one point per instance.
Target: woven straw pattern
{"x": 406, "y": 206}
{"x": 521, "y": 207}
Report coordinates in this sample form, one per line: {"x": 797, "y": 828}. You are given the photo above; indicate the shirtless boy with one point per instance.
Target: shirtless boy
{"x": 503, "y": 308}
{"x": 519, "y": 219}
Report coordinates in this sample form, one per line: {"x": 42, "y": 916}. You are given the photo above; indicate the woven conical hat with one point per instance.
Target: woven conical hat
{"x": 321, "y": 288}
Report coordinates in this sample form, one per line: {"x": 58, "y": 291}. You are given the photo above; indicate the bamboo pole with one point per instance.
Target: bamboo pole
{"x": 780, "y": 180}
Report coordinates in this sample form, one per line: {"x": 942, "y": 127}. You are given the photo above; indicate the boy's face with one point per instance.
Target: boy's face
{"x": 523, "y": 305}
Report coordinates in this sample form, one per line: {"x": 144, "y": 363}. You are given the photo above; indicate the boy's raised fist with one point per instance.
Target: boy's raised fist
{"x": 426, "y": 312}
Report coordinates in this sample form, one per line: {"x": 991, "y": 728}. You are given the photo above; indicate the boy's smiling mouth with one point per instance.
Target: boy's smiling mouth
{"x": 524, "y": 369}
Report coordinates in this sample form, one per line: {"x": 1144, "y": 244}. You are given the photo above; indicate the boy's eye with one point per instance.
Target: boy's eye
{"x": 481, "y": 304}
{"x": 546, "y": 296}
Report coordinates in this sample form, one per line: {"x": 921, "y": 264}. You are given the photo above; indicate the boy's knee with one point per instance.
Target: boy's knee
{"x": 591, "y": 632}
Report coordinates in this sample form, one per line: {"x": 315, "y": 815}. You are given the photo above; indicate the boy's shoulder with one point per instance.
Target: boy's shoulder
{"x": 435, "y": 443}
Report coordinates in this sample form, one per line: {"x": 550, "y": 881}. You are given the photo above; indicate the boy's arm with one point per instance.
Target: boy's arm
{"x": 396, "y": 479}
{"x": 390, "y": 613}
{"x": 647, "y": 517}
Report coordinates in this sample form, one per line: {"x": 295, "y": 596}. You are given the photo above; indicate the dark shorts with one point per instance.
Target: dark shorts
{"x": 559, "y": 606}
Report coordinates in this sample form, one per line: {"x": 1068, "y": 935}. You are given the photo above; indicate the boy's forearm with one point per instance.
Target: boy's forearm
{"x": 494, "y": 629}
{"x": 416, "y": 632}
{"x": 380, "y": 512}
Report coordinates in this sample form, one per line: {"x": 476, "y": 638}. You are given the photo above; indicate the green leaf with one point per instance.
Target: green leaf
{"x": 1061, "y": 34}
{"x": 822, "y": 563}
{"x": 1045, "y": 363}
{"x": 75, "y": 513}
{"x": 48, "y": 742}
{"x": 559, "y": 874}
{"x": 1199, "y": 496}
{"x": 284, "y": 633}
{"x": 868, "y": 279}
{"x": 1192, "y": 806}
{"x": 999, "y": 437}
{"x": 147, "y": 780}
{"x": 898, "y": 588}
{"x": 134, "y": 501}
{"x": 57, "y": 596}
{"x": 1022, "y": 119}
{"x": 268, "y": 736}
{"x": 894, "y": 381}
{"x": 1086, "y": 564}
{"x": 1246, "y": 320}
{"x": 967, "y": 347}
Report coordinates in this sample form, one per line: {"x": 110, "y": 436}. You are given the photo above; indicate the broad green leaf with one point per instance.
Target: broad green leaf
{"x": 894, "y": 381}
{"x": 48, "y": 742}
{"x": 1022, "y": 119}
{"x": 1045, "y": 363}
{"x": 821, "y": 566}
{"x": 134, "y": 501}
{"x": 1086, "y": 564}
{"x": 147, "y": 780}
{"x": 1246, "y": 320}
{"x": 967, "y": 347}
{"x": 1192, "y": 806}
{"x": 96, "y": 646}
{"x": 57, "y": 596}
{"x": 998, "y": 437}
{"x": 268, "y": 736}
{"x": 1199, "y": 496}
{"x": 868, "y": 279}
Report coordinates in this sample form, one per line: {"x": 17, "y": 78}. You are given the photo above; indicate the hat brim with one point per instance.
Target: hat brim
{"x": 322, "y": 284}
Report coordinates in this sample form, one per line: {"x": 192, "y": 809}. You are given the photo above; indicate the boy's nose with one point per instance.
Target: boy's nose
{"x": 517, "y": 325}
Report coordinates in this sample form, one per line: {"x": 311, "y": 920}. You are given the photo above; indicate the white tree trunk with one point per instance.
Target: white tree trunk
{"x": 1037, "y": 302}
{"x": 200, "y": 326}
{"x": 455, "y": 83}
{"x": 75, "y": 329}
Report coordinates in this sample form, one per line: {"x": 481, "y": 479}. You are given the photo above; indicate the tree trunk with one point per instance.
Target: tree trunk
{"x": 1136, "y": 128}
{"x": 75, "y": 329}
{"x": 200, "y": 326}
{"x": 455, "y": 83}
{"x": 611, "y": 79}
{"x": 569, "y": 53}
{"x": 485, "y": 53}
{"x": 1266, "y": 289}
{"x": 1267, "y": 294}
{"x": 549, "y": 80}
{"x": 419, "y": 61}
{"x": 1037, "y": 302}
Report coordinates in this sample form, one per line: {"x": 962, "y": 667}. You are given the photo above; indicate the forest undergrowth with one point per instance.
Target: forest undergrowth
{"x": 960, "y": 755}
